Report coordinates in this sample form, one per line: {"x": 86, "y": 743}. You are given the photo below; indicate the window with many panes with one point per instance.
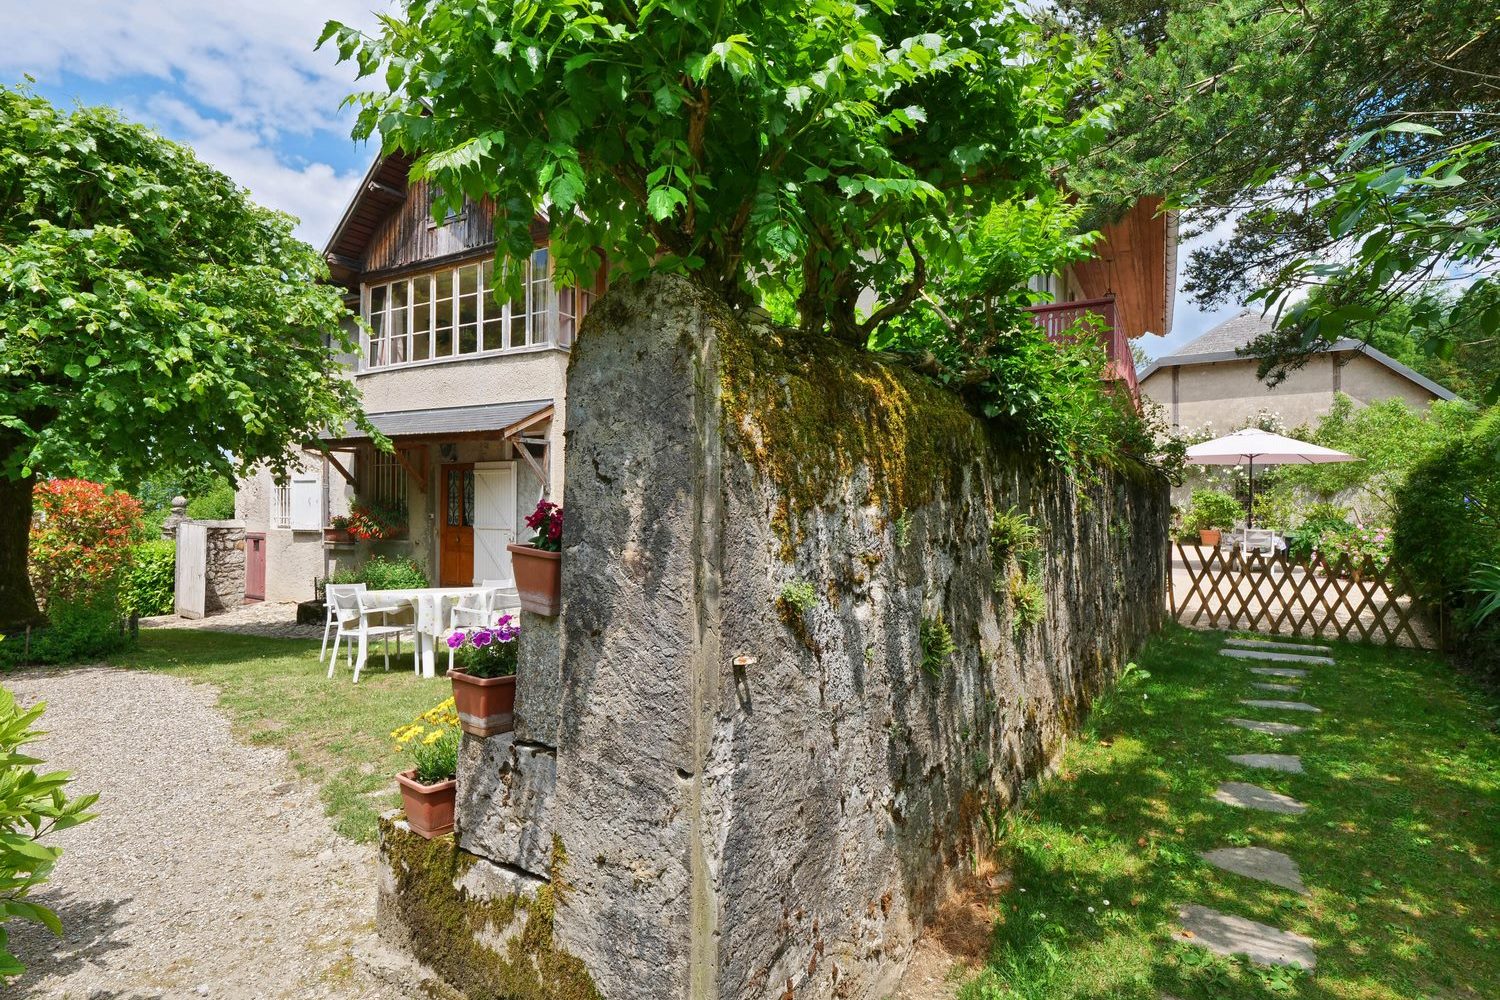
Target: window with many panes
{"x": 452, "y": 313}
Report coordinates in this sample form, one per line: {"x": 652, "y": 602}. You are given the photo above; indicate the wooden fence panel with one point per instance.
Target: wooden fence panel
{"x": 1342, "y": 598}
{"x": 192, "y": 570}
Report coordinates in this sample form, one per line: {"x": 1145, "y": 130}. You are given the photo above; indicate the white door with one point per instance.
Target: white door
{"x": 192, "y": 567}
{"x": 494, "y": 520}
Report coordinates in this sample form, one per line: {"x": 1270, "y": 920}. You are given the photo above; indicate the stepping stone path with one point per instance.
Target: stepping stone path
{"x": 1224, "y": 933}
{"x": 1290, "y": 706}
{"x": 1279, "y": 672}
{"x": 1290, "y": 763}
{"x": 1259, "y": 654}
{"x": 1258, "y": 863}
{"x": 1265, "y": 945}
{"x": 1273, "y": 728}
{"x": 1248, "y": 796}
{"x": 1285, "y": 647}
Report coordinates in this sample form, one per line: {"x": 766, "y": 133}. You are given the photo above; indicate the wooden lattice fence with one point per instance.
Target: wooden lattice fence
{"x": 1339, "y": 598}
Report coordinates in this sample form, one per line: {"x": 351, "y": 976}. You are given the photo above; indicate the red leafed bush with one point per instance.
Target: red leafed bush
{"x": 81, "y": 537}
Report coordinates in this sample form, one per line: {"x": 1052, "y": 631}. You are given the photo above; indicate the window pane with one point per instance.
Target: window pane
{"x": 400, "y": 314}
{"x": 468, "y": 280}
{"x": 421, "y": 317}
{"x": 538, "y": 288}
{"x": 468, "y": 323}
{"x": 454, "y": 502}
{"x": 494, "y": 327}
{"x": 376, "y": 318}
{"x": 469, "y": 498}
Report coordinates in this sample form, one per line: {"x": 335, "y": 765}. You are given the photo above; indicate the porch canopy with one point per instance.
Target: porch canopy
{"x": 1252, "y": 445}
{"x": 413, "y": 430}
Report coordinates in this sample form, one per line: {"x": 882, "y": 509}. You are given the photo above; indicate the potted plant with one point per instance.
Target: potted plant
{"x": 1209, "y": 512}
{"x": 337, "y": 532}
{"x": 538, "y": 566}
{"x": 429, "y": 787}
{"x": 374, "y": 521}
{"x": 484, "y": 677}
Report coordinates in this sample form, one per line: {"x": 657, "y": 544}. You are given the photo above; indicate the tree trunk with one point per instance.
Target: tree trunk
{"x": 17, "y": 601}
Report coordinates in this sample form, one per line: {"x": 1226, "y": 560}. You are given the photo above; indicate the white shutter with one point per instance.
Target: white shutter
{"x": 307, "y": 503}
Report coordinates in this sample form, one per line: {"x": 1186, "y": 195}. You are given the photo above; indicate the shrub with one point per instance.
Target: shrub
{"x": 32, "y": 807}
{"x": 76, "y": 631}
{"x": 381, "y": 573}
{"x": 1323, "y": 524}
{"x": 487, "y": 652}
{"x": 150, "y": 583}
{"x": 432, "y": 740}
{"x": 214, "y": 503}
{"x": 80, "y": 540}
{"x": 1360, "y": 547}
{"x": 1210, "y": 509}
{"x": 936, "y": 642}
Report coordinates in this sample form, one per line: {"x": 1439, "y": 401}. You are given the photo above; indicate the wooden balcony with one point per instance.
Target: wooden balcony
{"x": 1058, "y": 320}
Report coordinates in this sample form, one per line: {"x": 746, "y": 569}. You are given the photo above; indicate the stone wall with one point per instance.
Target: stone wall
{"x": 730, "y": 766}
{"x": 224, "y": 584}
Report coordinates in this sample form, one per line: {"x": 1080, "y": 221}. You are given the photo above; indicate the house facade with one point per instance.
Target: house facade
{"x": 471, "y": 393}
{"x": 1208, "y": 382}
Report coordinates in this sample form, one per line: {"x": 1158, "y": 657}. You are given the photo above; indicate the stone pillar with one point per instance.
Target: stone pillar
{"x": 225, "y": 570}
{"x": 172, "y": 520}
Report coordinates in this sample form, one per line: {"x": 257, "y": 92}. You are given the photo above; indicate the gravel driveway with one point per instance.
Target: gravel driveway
{"x": 211, "y": 871}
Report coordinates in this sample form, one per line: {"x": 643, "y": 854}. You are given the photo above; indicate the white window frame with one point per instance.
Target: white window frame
{"x": 279, "y": 513}
{"x": 537, "y": 312}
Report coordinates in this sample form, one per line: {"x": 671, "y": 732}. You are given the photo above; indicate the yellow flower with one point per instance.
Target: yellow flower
{"x": 433, "y": 737}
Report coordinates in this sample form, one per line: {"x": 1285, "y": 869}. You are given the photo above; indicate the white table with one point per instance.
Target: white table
{"x": 432, "y": 608}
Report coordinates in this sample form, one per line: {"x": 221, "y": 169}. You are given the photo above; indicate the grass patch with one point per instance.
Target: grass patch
{"x": 1397, "y": 848}
{"x": 277, "y": 694}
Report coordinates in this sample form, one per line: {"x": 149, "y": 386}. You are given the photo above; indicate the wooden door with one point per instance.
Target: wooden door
{"x": 255, "y": 566}
{"x": 494, "y": 521}
{"x": 456, "y": 537}
{"x": 192, "y": 570}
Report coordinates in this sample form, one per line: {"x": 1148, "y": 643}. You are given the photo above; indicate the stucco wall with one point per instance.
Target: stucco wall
{"x": 294, "y": 559}
{"x": 1227, "y": 394}
{"x": 786, "y": 826}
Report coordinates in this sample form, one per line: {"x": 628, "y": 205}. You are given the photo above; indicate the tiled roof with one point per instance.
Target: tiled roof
{"x": 446, "y": 420}
{"x": 1230, "y": 335}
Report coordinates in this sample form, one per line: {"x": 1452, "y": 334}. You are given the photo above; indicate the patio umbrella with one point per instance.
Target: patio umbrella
{"x": 1249, "y": 446}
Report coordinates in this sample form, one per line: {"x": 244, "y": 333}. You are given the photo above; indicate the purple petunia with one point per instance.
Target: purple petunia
{"x": 483, "y": 638}
{"x": 455, "y": 640}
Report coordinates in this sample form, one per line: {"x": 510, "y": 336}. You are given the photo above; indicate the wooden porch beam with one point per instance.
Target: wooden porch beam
{"x": 536, "y": 467}
{"x": 341, "y": 470}
{"x": 418, "y": 475}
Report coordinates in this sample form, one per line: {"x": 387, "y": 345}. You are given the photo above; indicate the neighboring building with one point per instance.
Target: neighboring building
{"x": 470, "y": 394}
{"x": 1209, "y": 382}
{"x": 473, "y": 396}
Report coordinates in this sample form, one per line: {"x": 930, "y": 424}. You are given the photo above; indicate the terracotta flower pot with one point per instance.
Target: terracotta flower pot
{"x": 486, "y": 705}
{"x": 1209, "y": 536}
{"x": 429, "y": 808}
{"x": 538, "y": 578}
{"x": 338, "y": 536}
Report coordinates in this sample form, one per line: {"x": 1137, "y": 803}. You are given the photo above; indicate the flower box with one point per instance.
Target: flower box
{"x": 538, "y": 578}
{"x": 337, "y": 536}
{"x": 429, "y": 808}
{"x": 486, "y": 705}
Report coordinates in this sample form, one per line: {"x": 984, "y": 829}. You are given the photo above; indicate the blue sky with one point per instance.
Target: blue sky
{"x": 241, "y": 84}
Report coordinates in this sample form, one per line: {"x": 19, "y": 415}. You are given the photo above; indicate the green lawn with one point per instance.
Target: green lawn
{"x": 277, "y": 694}
{"x": 1398, "y": 846}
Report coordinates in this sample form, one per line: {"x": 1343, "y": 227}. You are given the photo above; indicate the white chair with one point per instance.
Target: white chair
{"x": 329, "y": 626}
{"x": 482, "y": 608}
{"x": 357, "y": 613}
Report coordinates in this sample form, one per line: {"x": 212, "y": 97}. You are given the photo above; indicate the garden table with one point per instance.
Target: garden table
{"x": 431, "y": 607}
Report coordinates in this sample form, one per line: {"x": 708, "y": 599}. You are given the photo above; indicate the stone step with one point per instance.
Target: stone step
{"x": 1263, "y": 944}
{"x": 1273, "y": 728}
{"x": 1282, "y": 688}
{"x": 1244, "y": 795}
{"x": 1285, "y": 647}
{"x": 1258, "y": 863}
{"x": 1290, "y": 763}
{"x": 1265, "y": 654}
{"x": 1279, "y": 672}
{"x": 1290, "y": 706}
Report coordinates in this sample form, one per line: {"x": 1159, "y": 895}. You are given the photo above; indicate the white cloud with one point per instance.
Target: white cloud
{"x": 239, "y": 82}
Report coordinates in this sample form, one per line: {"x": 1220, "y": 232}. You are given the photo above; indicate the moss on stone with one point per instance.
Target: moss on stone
{"x": 810, "y": 412}
{"x": 448, "y": 928}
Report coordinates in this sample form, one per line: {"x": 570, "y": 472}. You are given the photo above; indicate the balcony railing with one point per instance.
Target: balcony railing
{"x": 1057, "y": 322}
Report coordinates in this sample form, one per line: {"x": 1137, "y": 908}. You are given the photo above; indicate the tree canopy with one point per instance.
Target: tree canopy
{"x": 814, "y": 149}
{"x": 151, "y": 317}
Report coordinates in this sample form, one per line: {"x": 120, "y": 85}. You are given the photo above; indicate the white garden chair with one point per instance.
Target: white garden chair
{"x": 330, "y": 626}
{"x": 361, "y": 619}
{"x": 482, "y": 608}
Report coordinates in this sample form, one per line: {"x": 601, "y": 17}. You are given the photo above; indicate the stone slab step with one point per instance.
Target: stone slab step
{"x": 1244, "y": 795}
{"x": 1282, "y": 688}
{"x": 1258, "y": 863}
{"x": 1285, "y": 647}
{"x": 1274, "y": 728}
{"x": 1290, "y": 706}
{"x": 1288, "y": 762}
{"x": 1266, "y": 654}
{"x": 1263, "y": 944}
{"x": 1279, "y": 672}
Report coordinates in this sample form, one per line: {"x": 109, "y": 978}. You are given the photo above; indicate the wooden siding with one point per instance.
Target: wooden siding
{"x": 408, "y": 238}
{"x": 1131, "y": 267}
